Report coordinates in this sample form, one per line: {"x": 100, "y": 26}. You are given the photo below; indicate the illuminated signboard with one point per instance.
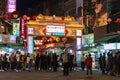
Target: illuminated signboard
{"x": 30, "y": 44}
{"x": 12, "y": 39}
{"x": 110, "y": 46}
{"x": 16, "y": 29}
{"x": 22, "y": 31}
{"x": 30, "y": 31}
{"x": 11, "y": 6}
{"x": 0, "y": 37}
{"x": 78, "y": 33}
{"x": 55, "y": 29}
{"x": 79, "y": 43}
{"x": 5, "y": 38}
{"x": 118, "y": 45}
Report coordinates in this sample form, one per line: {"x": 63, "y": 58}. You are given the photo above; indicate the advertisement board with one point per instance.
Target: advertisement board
{"x": 5, "y": 38}
{"x": 0, "y": 37}
{"x": 30, "y": 45}
{"x": 16, "y": 29}
{"x": 11, "y": 6}
{"x": 88, "y": 40}
{"x": 55, "y": 29}
{"x": 12, "y": 39}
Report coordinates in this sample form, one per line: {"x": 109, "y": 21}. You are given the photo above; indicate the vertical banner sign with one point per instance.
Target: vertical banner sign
{"x": 30, "y": 32}
{"x": 16, "y": 29}
{"x": 30, "y": 45}
{"x": 22, "y": 28}
{"x": 11, "y": 6}
{"x": 0, "y": 37}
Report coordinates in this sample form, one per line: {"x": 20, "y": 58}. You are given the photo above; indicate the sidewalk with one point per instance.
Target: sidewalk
{"x": 48, "y": 75}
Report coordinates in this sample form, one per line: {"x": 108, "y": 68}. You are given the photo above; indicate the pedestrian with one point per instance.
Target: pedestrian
{"x": 65, "y": 64}
{"x": 89, "y": 65}
{"x": 82, "y": 61}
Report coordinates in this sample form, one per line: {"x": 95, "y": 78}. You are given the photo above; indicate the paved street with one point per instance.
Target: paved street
{"x": 48, "y": 75}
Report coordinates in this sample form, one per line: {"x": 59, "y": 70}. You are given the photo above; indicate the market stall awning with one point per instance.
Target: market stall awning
{"x": 107, "y": 38}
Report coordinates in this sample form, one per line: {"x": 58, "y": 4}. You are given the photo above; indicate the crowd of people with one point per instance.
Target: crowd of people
{"x": 42, "y": 61}
{"x": 109, "y": 63}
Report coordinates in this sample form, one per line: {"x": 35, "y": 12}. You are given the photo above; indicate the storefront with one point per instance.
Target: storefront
{"x": 8, "y": 44}
{"x": 48, "y": 33}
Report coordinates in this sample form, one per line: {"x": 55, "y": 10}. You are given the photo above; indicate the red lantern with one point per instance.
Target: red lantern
{"x": 63, "y": 18}
{"x": 6, "y": 16}
{"x": 44, "y": 30}
{"x": 25, "y": 17}
{"x": 28, "y": 18}
{"x": 118, "y": 20}
{"x": 34, "y": 17}
{"x": 81, "y": 18}
{"x": 90, "y": 19}
{"x": 109, "y": 20}
{"x": 66, "y": 31}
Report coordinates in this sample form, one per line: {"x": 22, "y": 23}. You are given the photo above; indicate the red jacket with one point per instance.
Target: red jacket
{"x": 89, "y": 61}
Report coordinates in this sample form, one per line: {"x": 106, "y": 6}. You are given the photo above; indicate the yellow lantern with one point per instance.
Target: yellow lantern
{"x": 57, "y": 39}
{"x": 64, "y": 39}
{"x": 51, "y": 39}
{"x": 100, "y": 20}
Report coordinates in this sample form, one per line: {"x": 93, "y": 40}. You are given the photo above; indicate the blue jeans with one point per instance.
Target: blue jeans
{"x": 28, "y": 66}
{"x": 18, "y": 65}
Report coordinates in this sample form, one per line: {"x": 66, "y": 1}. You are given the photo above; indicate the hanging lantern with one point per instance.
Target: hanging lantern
{"x": 51, "y": 39}
{"x": 63, "y": 18}
{"x": 28, "y": 18}
{"x": 66, "y": 31}
{"x": 44, "y": 30}
{"x": 6, "y": 16}
{"x": 34, "y": 17}
{"x": 81, "y": 18}
{"x": 15, "y": 15}
{"x": 118, "y": 20}
{"x": 64, "y": 39}
{"x": 90, "y": 19}
{"x": 100, "y": 20}
{"x": 57, "y": 39}
{"x": 109, "y": 20}
{"x": 25, "y": 17}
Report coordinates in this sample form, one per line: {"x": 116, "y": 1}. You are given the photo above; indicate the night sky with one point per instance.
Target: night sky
{"x": 24, "y": 5}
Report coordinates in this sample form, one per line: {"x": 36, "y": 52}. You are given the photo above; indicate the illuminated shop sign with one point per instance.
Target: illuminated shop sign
{"x": 78, "y": 33}
{"x": 12, "y": 39}
{"x": 16, "y": 29}
{"x": 30, "y": 44}
{"x": 38, "y": 42}
{"x": 5, "y": 38}
{"x": 30, "y": 31}
{"x": 22, "y": 31}
{"x": 79, "y": 43}
{"x": 11, "y": 5}
{"x": 0, "y": 37}
{"x": 55, "y": 29}
{"x": 118, "y": 45}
